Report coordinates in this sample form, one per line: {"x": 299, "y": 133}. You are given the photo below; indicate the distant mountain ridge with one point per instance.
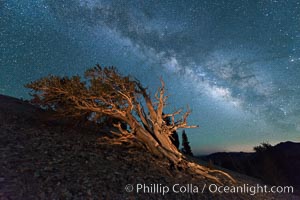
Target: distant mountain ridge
{"x": 42, "y": 159}
{"x": 278, "y": 165}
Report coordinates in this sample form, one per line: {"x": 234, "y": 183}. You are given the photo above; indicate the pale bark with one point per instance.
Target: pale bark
{"x": 123, "y": 100}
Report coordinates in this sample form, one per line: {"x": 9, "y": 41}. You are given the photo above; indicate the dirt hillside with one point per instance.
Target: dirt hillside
{"x": 48, "y": 159}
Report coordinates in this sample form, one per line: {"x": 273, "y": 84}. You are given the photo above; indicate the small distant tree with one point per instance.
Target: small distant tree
{"x": 175, "y": 139}
{"x": 186, "y": 148}
{"x": 263, "y": 147}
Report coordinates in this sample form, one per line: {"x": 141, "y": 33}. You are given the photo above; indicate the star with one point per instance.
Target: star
{"x": 235, "y": 62}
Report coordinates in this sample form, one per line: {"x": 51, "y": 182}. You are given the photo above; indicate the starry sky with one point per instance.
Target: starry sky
{"x": 235, "y": 63}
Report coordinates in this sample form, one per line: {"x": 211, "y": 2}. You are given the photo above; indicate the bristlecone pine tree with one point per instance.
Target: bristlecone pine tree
{"x": 104, "y": 92}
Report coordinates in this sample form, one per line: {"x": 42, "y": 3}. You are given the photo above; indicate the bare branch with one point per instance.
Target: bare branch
{"x": 118, "y": 125}
{"x": 161, "y": 103}
{"x": 107, "y": 93}
{"x": 148, "y": 101}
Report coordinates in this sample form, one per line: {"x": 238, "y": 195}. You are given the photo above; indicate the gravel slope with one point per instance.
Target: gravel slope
{"x": 42, "y": 159}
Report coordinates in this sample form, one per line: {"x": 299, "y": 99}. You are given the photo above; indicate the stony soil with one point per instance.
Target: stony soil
{"x": 46, "y": 159}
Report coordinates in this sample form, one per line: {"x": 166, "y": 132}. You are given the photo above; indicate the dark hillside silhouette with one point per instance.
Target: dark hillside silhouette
{"x": 277, "y": 165}
{"x": 44, "y": 158}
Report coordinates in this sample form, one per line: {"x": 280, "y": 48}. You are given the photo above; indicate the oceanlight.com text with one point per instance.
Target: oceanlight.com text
{"x": 250, "y": 189}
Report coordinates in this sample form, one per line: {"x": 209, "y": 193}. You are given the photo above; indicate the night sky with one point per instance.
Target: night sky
{"x": 236, "y": 63}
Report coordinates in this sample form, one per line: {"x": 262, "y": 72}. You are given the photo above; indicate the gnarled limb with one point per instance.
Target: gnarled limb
{"x": 108, "y": 93}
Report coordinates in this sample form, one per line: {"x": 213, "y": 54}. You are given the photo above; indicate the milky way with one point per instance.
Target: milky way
{"x": 236, "y": 63}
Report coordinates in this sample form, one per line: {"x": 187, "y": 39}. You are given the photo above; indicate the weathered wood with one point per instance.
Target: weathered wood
{"x": 110, "y": 94}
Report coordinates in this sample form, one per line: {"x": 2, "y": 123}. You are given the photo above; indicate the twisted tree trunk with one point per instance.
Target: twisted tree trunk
{"x": 121, "y": 97}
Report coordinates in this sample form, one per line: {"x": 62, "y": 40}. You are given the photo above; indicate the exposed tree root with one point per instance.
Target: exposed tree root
{"x": 183, "y": 163}
{"x": 223, "y": 173}
{"x": 207, "y": 173}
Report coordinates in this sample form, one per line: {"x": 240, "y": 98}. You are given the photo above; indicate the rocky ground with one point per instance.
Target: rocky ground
{"x": 46, "y": 159}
